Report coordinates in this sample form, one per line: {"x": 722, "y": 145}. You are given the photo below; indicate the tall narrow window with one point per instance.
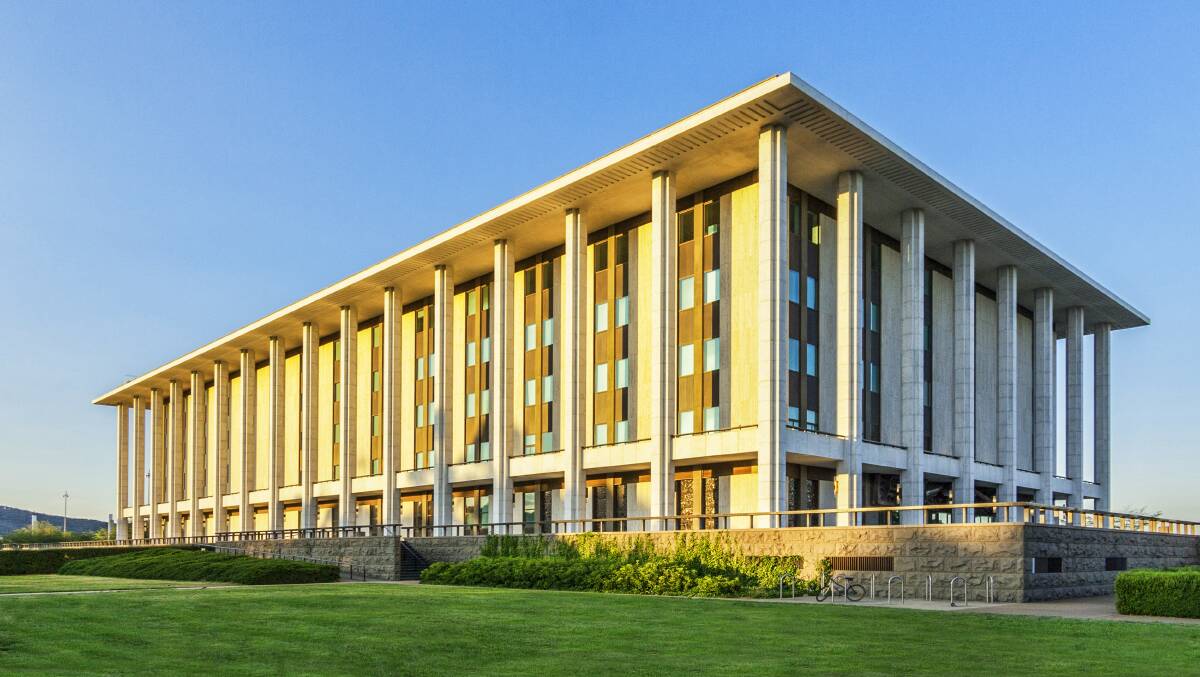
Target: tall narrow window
{"x": 712, "y": 286}
{"x": 687, "y": 360}
{"x": 712, "y": 354}
{"x": 685, "y": 293}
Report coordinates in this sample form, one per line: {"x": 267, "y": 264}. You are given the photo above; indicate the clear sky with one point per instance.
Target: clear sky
{"x": 171, "y": 171}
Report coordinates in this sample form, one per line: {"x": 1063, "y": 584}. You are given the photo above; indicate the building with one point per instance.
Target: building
{"x": 766, "y": 306}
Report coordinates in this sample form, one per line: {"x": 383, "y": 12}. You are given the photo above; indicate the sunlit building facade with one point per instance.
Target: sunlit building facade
{"x": 766, "y": 306}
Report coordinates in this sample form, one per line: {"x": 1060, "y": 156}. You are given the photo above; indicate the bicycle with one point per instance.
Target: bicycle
{"x": 850, "y": 590}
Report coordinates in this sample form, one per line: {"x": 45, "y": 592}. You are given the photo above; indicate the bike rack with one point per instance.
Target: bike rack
{"x": 872, "y": 587}
{"x": 781, "y": 579}
{"x": 958, "y": 579}
{"x": 892, "y": 580}
{"x": 929, "y": 588}
{"x": 991, "y": 589}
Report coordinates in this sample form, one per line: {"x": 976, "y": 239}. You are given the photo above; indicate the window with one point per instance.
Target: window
{"x": 376, "y": 337}
{"x": 685, "y": 423}
{"x": 811, "y": 293}
{"x": 794, "y": 286}
{"x": 472, "y": 302}
{"x": 873, "y": 316}
{"x": 601, "y": 433}
{"x": 810, "y": 360}
{"x": 622, "y": 431}
{"x": 794, "y": 355}
{"x": 485, "y": 402}
{"x": 712, "y": 286}
{"x": 376, "y": 422}
{"x": 685, "y": 222}
{"x": 470, "y": 404}
{"x": 471, "y": 453}
{"x": 485, "y": 448}
{"x": 548, "y": 332}
{"x": 420, "y": 368}
{"x": 685, "y": 293}
{"x": 531, "y": 444}
{"x": 814, "y": 233}
{"x": 548, "y": 388}
{"x": 873, "y": 376}
{"x": 601, "y": 316}
{"x": 622, "y": 311}
{"x": 712, "y": 418}
{"x": 601, "y": 256}
{"x": 486, "y": 297}
{"x": 420, "y": 419}
{"x": 530, "y": 392}
{"x": 712, "y": 218}
{"x": 1116, "y": 563}
{"x": 376, "y": 381}
{"x": 810, "y": 420}
{"x": 485, "y": 349}
{"x": 530, "y": 336}
{"x": 602, "y": 377}
{"x": 470, "y": 353}
{"x": 530, "y": 282}
{"x": 793, "y": 418}
{"x": 712, "y": 354}
{"x": 548, "y": 441}
{"x": 622, "y": 375}
{"x": 1047, "y": 565}
{"x": 687, "y": 360}
{"x": 622, "y": 249}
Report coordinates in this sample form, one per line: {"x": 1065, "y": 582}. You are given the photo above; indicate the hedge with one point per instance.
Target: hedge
{"x": 1170, "y": 592}
{"x": 22, "y": 562}
{"x": 693, "y": 565}
{"x": 199, "y": 565}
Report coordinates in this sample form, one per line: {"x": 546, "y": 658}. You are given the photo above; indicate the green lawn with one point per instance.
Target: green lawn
{"x": 401, "y": 629}
{"x": 54, "y": 583}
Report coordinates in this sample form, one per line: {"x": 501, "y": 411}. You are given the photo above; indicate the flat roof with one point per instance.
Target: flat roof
{"x": 706, "y": 147}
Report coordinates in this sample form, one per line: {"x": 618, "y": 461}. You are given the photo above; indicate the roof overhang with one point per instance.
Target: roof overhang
{"x": 707, "y": 147}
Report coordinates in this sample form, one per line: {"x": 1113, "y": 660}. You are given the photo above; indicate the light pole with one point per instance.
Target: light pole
{"x": 65, "y": 496}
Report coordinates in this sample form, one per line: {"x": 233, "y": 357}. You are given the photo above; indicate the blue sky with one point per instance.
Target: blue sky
{"x": 170, "y": 171}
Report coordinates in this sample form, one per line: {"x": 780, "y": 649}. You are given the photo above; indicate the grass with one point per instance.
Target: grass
{"x": 199, "y": 565}
{"x": 433, "y": 630}
{"x": 55, "y": 583}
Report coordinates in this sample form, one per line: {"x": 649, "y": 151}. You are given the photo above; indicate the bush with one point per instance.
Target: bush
{"x": 43, "y": 532}
{"x": 21, "y": 562}
{"x": 174, "y": 564}
{"x": 1171, "y": 592}
{"x": 693, "y": 565}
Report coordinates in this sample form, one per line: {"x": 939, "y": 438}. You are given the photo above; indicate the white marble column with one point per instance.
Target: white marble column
{"x": 195, "y": 429}
{"x": 310, "y": 339}
{"x": 501, "y": 418}
{"x": 249, "y": 383}
{"x": 1006, "y": 379}
{"x": 848, "y": 243}
{"x": 964, "y": 375}
{"x": 348, "y": 413}
{"x": 122, "y": 470}
{"x": 441, "y": 410}
{"x": 174, "y": 457}
{"x": 1075, "y": 406}
{"x": 275, "y": 434}
{"x": 139, "y": 465}
{"x": 772, "y": 314}
{"x": 1044, "y": 410}
{"x": 912, "y": 360}
{"x": 663, "y": 312}
{"x": 220, "y": 474}
{"x": 158, "y": 464}
{"x": 1102, "y": 417}
{"x": 573, "y": 342}
{"x": 390, "y": 372}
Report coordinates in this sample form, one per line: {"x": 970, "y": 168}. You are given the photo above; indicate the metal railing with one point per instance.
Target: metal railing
{"x": 919, "y": 515}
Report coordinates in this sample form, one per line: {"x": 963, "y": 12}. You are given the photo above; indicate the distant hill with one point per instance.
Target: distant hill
{"x": 12, "y": 519}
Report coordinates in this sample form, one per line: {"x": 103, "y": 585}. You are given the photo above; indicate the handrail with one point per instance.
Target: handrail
{"x": 998, "y": 512}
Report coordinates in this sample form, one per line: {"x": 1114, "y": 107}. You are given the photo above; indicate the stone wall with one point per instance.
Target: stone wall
{"x": 1003, "y": 553}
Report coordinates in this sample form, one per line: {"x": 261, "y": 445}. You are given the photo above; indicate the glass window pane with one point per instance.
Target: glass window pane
{"x": 712, "y": 286}
{"x": 470, "y": 404}
{"x": 530, "y": 392}
{"x": 810, "y": 360}
{"x": 485, "y": 349}
{"x": 794, "y": 416}
{"x": 810, "y": 420}
{"x": 472, "y": 302}
{"x": 530, "y": 336}
{"x": 685, "y": 222}
{"x": 794, "y": 355}
{"x": 471, "y": 354}
{"x": 622, "y": 311}
{"x": 601, "y": 433}
{"x": 602, "y": 377}
{"x": 530, "y": 445}
{"x": 622, "y": 376}
{"x": 548, "y": 332}
{"x": 794, "y": 286}
{"x": 485, "y": 402}
{"x": 685, "y": 423}
{"x": 601, "y": 256}
{"x": 485, "y": 452}
{"x": 548, "y": 441}
{"x": 420, "y": 416}
{"x": 471, "y": 454}
{"x": 687, "y": 360}
{"x": 712, "y": 418}
{"x": 548, "y": 388}
{"x": 420, "y": 368}
{"x": 601, "y": 317}
{"x": 811, "y": 299}
{"x": 685, "y": 293}
{"x": 622, "y": 431}
{"x": 712, "y": 354}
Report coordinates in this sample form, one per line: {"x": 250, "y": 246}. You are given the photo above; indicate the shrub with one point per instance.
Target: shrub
{"x": 44, "y": 532}
{"x": 199, "y": 565}
{"x": 692, "y": 565}
{"x": 1168, "y": 592}
{"x": 21, "y": 562}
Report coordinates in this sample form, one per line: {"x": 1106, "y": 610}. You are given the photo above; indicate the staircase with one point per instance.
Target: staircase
{"x": 411, "y": 563}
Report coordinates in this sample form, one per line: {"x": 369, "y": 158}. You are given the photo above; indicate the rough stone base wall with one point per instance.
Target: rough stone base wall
{"x": 976, "y": 552}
